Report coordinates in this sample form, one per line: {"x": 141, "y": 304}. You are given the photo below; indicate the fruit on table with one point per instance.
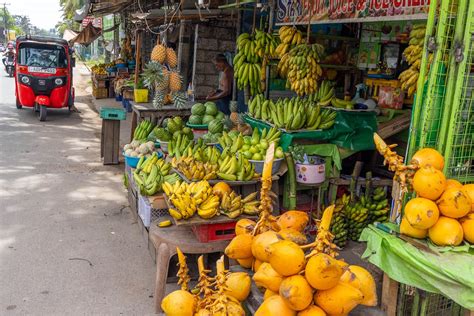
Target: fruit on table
{"x": 220, "y": 188}
{"x": 421, "y": 213}
{"x": 362, "y": 280}
{"x": 261, "y": 243}
{"x": 268, "y": 293}
{"x": 195, "y": 170}
{"x": 244, "y": 226}
{"x": 292, "y": 114}
{"x": 143, "y": 129}
{"x": 238, "y": 285}
{"x": 293, "y": 219}
{"x": 267, "y": 277}
{"x": 151, "y": 173}
{"x": 312, "y": 310}
{"x": 325, "y": 93}
{"x": 428, "y": 157}
{"x": 233, "y": 168}
{"x": 342, "y": 104}
{"x": 240, "y": 247}
{"x": 232, "y": 205}
{"x": 198, "y": 109}
{"x": 469, "y": 190}
{"x": 138, "y": 149}
{"x": 467, "y": 224}
{"x": 454, "y": 203}
{"x": 286, "y": 258}
{"x": 429, "y": 182}
{"x": 338, "y": 300}
{"x": 179, "y": 303}
{"x": 323, "y": 272}
{"x": 296, "y": 292}
{"x": 246, "y": 263}
{"x": 407, "y": 229}
{"x": 274, "y": 305}
{"x": 446, "y": 232}
{"x": 453, "y": 183}
{"x": 166, "y": 223}
{"x": 293, "y": 235}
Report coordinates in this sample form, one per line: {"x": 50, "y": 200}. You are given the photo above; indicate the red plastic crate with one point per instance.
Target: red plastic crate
{"x": 214, "y": 232}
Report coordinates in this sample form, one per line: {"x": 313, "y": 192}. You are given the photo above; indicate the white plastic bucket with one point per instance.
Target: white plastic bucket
{"x": 311, "y": 173}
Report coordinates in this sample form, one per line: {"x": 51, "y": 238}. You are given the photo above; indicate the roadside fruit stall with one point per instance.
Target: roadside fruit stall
{"x": 322, "y": 99}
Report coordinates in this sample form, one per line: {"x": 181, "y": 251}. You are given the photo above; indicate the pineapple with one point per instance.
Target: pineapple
{"x": 164, "y": 83}
{"x": 159, "y": 53}
{"x": 153, "y": 75}
{"x": 179, "y": 100}
{"x": 159, "y": 99}
{"x": 171, "y": 58}
{"x": 174, "y": 81}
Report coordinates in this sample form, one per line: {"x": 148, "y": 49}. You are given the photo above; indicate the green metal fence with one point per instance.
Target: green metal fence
{"x": 443, "y": 114}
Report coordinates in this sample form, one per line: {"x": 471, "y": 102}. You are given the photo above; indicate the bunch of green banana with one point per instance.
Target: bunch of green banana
{"x": 203, "y": 153}
{"x": 266, "y": 44}
{"x": 413, "y": 55}
{"x": 292, "y": 114}
{"x": 301, "y": 67}
{"x": 325, "y": 93}
{"x": 143, "y": 129}
{"x": 232, "y": 205}
{"x": 356, "y": 218}
{"x": 236, "y": 168}
{"x": 248, "y": 63}
{"x": 379, "y": 207}
{"x": 181, "y": 145}
{"x": 339, "y": 227}
{"x": 151, "y": 173}
{"x": 342, "y": 104}
{"x": 289, "y": 37}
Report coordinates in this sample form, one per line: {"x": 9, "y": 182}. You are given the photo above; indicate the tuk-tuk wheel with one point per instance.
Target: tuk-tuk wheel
{"x": 43, "y": 111}
{"x": 18, "y": 104}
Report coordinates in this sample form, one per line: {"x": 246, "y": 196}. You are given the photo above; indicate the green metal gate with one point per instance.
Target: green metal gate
{"x": 443, "y": 114}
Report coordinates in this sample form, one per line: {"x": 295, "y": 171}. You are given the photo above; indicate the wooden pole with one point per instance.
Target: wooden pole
{"x": 138, "y": 55}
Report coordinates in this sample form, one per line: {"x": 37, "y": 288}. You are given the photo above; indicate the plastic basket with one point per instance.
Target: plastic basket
{"x": 259, "y": 165}
{"x": 214, "y": 232}
{"x": 131, "y": 161}
{"x": 197, "y": 126}
{"x": 140, "y": 95}
{"x": 112, "y": 114}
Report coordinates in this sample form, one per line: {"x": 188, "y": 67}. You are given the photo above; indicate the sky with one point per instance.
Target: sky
{"x": 43, "y": 13}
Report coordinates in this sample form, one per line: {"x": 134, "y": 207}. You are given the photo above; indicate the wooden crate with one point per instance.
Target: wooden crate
{"x": 100, "y": 93}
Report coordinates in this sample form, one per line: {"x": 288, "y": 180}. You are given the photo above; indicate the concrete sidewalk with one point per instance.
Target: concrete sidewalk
{"x": 68, "y": 244}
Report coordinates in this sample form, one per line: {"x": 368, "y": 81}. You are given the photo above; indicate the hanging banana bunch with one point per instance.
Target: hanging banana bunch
{"x": 289, "y": 37}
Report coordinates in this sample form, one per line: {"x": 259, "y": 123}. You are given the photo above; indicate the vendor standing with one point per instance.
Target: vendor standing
{"x": 223, "y": 95}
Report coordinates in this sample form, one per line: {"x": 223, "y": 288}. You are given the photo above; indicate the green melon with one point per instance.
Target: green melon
{"x": 198, "y": 109}
{"x": 211, "y": 108}
{"x": 215, "y": 126}
{"x": 195, "y": 120}
{"x": 207, "y": 119}
{"x": 220, "y": 115}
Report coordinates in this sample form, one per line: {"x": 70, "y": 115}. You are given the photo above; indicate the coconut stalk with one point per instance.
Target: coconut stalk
{"x": 219, "y": 306}
{"x": 204, "y": 286}
{"x": 266, "y": 220}
{"x": 183, "y": 271}
{"x": 323, "y": 242}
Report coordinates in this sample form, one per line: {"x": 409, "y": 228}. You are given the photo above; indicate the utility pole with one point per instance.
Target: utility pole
{"x": 5, "y": 20}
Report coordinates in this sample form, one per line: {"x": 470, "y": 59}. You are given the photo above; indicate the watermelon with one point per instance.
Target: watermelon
{"x": 198, "y": 109}
{"x": 211, "y": 108}
{"x": 215, "y": 126}
{"x": 220, "y": 115}
{"x": 195, "y": 120}
{"x": 207, "y": 119}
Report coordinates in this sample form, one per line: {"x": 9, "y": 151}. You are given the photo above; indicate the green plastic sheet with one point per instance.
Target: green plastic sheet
{"x": 450, "y": 273}
{"x": 352, "y": 130}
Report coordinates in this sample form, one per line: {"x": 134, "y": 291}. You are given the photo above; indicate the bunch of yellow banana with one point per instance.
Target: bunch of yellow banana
{"x": 300, "y": 66}
{"x": 232, "y": 205}
{"x": 232, "y": 168}
{"x": 188, "y": 199}
{"x": 289, "y": 37}
{"x": 99, "y": 69}
{"x": 413, "y": 55}
{"x": 194, "y": 169}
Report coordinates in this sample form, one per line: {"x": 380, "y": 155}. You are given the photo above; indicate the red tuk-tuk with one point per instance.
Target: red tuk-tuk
{"x": 43, "y": 74}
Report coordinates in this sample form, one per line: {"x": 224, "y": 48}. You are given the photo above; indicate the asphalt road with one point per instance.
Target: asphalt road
{"x": 68, "y": 243}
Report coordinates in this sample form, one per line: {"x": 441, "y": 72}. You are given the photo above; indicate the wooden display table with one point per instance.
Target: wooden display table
{"x": 165, "y": 240}
{"x": 146, "y": 110}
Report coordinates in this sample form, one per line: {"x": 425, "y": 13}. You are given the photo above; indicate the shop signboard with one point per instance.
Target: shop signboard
{"x": 347, "y": 11}
{"x": 96, "y": 22}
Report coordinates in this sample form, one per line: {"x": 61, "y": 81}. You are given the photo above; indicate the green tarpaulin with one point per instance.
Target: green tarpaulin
{"x": 450, "y": 273}
{"x": 352, "y": 130}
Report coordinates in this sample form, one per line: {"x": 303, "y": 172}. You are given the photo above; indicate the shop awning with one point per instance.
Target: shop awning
{"x": 69, "y": 35}
{"x": 87, "y": 35}
{"x": 101, "y": 7}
